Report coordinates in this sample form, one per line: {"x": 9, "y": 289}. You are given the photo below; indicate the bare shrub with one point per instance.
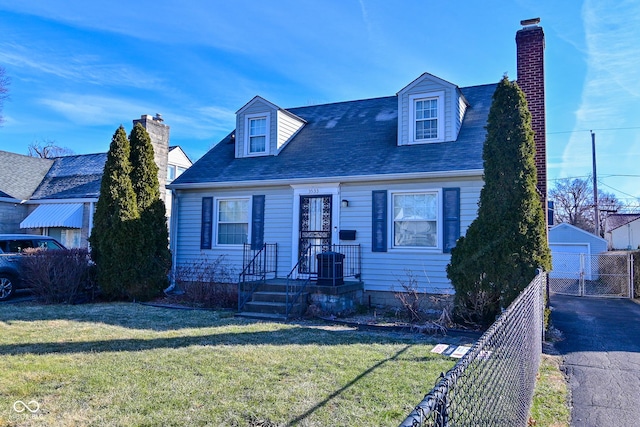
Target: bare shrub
{"x": 431, "y": 312}
{"x": 208, "y": 283}
{"x": 59, "y": 276}
{"x": 411, "y": 298}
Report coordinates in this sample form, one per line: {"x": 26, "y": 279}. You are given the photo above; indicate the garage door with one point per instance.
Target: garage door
{"x": 567, "y": 262}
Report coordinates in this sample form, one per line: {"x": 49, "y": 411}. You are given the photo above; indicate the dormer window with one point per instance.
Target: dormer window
{"x": 427, "y": 117}
{"x": 257, "y": 134}
{"x": 264, "y": 129}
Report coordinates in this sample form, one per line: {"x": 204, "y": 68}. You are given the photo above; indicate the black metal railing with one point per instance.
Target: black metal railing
{"x": 493, "y": 382}
{"x": 329, "y": 265}
{"x": 297, "y": 283}
{"x": 258, "y": 265}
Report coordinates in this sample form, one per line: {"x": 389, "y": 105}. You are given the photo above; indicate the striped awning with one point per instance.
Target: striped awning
{"x": 67, "y": 215}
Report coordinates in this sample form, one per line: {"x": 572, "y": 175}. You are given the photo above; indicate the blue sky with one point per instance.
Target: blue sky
{"x": 80, "y": 69}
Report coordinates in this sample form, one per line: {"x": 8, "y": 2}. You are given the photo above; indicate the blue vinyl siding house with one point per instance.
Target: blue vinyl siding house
{"x": 386, "y": 185}
{"x": 323, "y": 174}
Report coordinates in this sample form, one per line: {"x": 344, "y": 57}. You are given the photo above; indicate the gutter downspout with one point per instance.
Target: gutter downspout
{"x": 91, "y": 209}
{"x": 173, "y": 223}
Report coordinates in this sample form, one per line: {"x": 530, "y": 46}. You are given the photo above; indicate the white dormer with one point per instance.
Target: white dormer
{"x": 429, "y": 110}
{"x": 264, "y": 129}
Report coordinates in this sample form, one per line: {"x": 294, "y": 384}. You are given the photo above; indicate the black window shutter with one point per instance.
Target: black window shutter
{"x": 257, "y": 222}
{"x": 451, "y": 217}
{"x": 206, "y": 224}
{"x": 379, "y": 221}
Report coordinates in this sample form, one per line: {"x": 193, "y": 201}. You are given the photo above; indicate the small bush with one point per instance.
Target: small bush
{"x": 59, "y": 276}
{"x": 208, "y": 283}
{"x": 411, "y": 298}
{"x": 419, "y": 307}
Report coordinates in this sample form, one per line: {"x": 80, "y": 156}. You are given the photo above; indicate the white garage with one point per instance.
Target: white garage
{"x": 571, "y": 251}
{"x": 582, "y": 266}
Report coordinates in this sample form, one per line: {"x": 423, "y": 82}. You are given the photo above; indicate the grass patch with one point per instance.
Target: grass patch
{"x": 550, "y": 397}
{"x": 129, "y": 364}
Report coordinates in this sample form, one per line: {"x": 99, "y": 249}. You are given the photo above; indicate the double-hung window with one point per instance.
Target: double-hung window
{"x": 415, "y": 219}
{"x": 427, "y": 117}
{"x": 257, "y": 135}
{"x": 232, "y": 221}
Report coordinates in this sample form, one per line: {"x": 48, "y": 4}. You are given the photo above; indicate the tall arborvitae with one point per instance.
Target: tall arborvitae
{"x": 144, "y": 170}
{"x": 115, "y": 221}
{"x": 507, "y": 242}
{"x": 154, "y": 256}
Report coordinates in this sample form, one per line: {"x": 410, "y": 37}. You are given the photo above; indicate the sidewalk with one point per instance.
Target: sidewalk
{"x": 601, "y": 357}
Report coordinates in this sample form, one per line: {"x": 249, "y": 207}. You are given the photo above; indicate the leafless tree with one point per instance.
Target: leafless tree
{"x": 573, "y": 203}
{"x": 47, "y": 150}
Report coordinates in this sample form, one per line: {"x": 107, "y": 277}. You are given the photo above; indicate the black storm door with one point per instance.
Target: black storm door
{"x": 315, "y": 230}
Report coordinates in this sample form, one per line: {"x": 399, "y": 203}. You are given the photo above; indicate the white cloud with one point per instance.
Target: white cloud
{"x": 91, "y": 110}
{"x": 79, "y": 68}
{"x": 611, "y": 93}
{"x": 201, "y": 122}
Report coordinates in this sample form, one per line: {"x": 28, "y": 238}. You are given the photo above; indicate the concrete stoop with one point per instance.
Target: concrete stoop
{"x": 269, "y": 302}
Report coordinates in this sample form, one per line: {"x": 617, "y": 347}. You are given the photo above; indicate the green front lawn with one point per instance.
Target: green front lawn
{"x": 129, "y": 364}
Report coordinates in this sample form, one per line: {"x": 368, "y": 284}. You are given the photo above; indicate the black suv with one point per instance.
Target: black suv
{"x": 11, "y": 246}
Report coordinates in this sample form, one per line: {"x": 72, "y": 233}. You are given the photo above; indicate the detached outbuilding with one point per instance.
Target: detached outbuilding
{"x": 567, "y": 243}
{"x": 623, "y": 231}
{"x": 582, "y": 266}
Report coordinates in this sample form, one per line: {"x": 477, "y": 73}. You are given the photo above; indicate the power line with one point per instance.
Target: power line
{"x": 619, "y": 191}
{"x": 589, "y": 130}
{"x": 570, "y": 177}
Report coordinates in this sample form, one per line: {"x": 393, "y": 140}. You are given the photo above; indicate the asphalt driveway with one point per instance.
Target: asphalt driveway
{"x": 601, "y": 353}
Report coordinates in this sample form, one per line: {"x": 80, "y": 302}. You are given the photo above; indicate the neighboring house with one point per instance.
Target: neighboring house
{"x": 177, "y": 163}
{"x": 390, "y": 183}
{"x": 623, "y": 231}
{"x": 63, "y": 204}
{"x": 57, "y": 197}
{"x": 567, "y": 243}
{"x": 20, "y": 176}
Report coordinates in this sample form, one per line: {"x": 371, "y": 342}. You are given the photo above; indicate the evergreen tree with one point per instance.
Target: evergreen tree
{"x": 154, "y": 258}
{"x": 144, "y": 171}
{"x": 507, "y": 242}
{"x": 112, "y": 237}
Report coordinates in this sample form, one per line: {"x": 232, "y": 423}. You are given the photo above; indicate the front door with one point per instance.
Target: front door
{"x": 315, "y": 230}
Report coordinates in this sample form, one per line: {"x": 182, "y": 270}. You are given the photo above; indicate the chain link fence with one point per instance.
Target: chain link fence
{"x": 492, "y": 385}
{"x": 579, "y": 274}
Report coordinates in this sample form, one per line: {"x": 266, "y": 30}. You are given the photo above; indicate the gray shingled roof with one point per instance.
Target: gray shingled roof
{"x": 73, "y": 177}
{"x": 20, "y": 175}
{"x": 618, "y": 220}
{"x": 356, "y": 138}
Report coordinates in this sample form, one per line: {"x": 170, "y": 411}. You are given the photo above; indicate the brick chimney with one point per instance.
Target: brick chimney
{"x": 530, "y": 57}
{"x": 159, "y": 134}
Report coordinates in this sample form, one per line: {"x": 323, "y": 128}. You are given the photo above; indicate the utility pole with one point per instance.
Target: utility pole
{"x": 596, "y": 214}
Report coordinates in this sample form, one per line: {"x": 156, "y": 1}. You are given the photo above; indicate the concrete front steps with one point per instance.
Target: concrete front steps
{"x": 269, "y": 302}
